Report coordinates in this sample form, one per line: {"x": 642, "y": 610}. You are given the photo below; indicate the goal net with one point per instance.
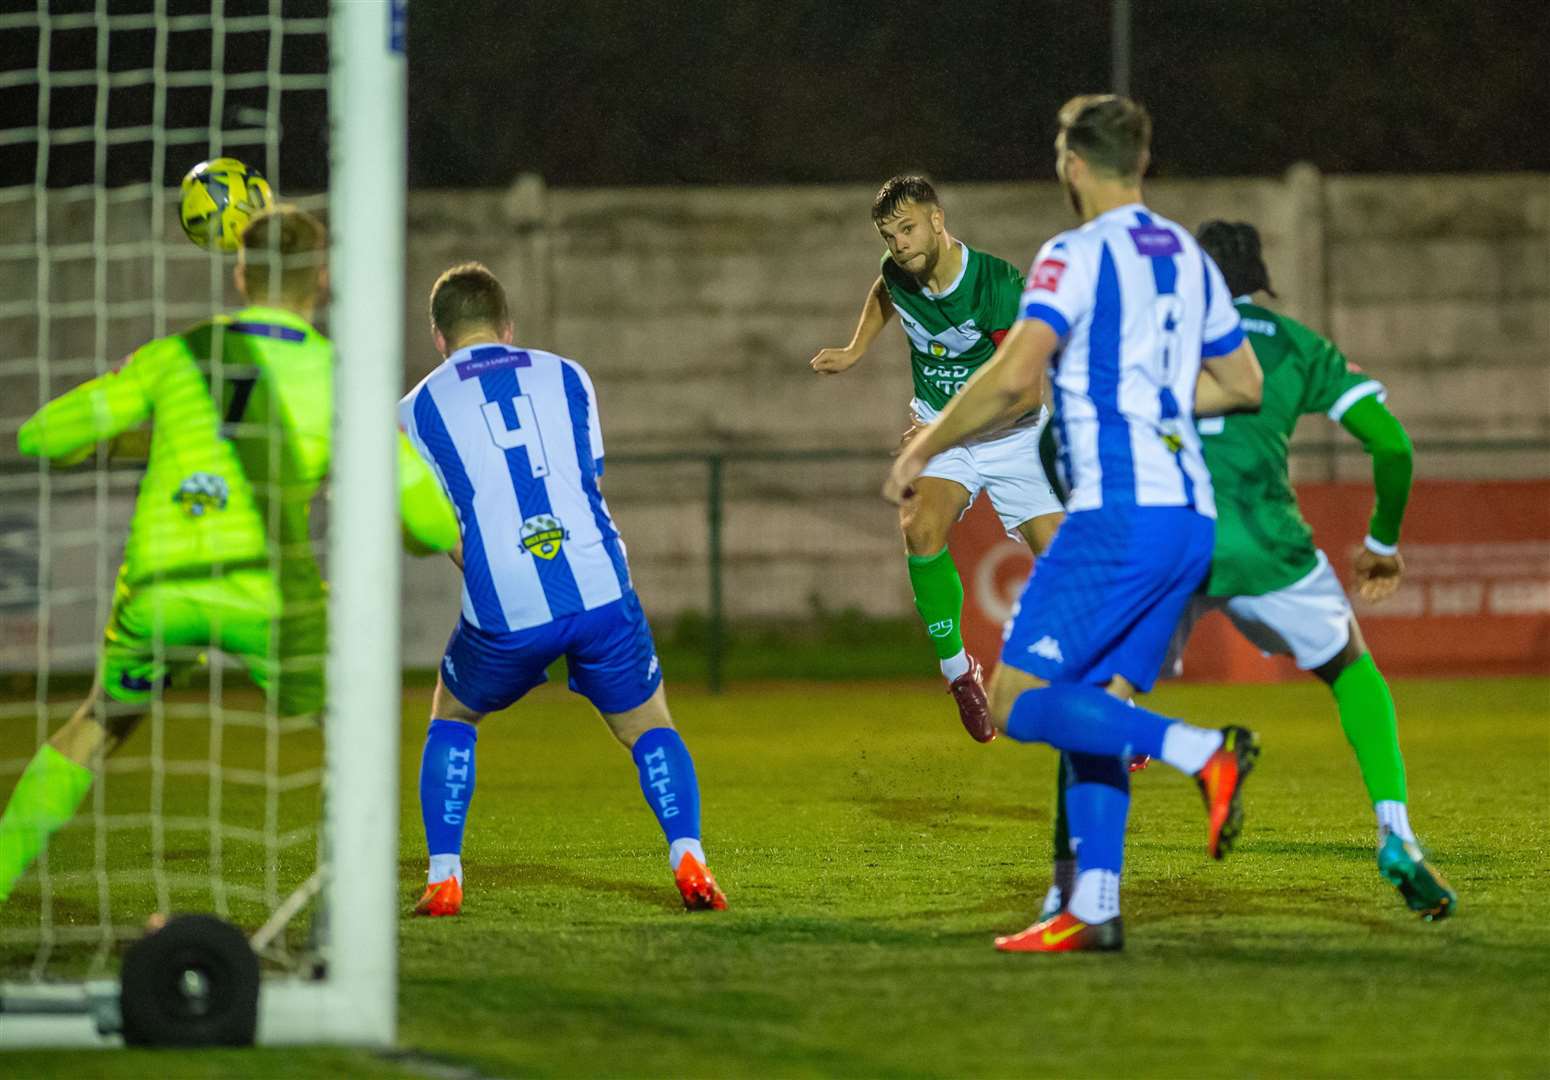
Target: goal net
{"x": 216, "y": 803}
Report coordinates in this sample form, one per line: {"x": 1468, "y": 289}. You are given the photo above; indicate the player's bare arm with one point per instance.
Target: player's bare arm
{"x": 1231, "y": 383}
{"x": 1008, "y": 386}
{"x": 875, "y": 313}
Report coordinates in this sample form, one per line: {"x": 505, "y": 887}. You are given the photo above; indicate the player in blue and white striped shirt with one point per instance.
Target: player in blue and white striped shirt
{"x": 1139, "y": 335}
{"x": 514, "y": 437}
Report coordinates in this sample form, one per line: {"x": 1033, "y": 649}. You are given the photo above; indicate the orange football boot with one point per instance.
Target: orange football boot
{"x": 1066, "y": 933}
{"x": 1221, "y": 786}
{"x": 698, "y": 886}
{"x": 444, "y": 897}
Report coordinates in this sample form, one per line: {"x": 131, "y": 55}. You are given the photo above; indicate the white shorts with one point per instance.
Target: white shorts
{"x": 1006, "y": 468}
{"x": 1310, "y": 620}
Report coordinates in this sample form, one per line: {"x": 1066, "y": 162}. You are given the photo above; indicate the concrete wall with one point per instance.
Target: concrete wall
{"x": 696, "y": 311}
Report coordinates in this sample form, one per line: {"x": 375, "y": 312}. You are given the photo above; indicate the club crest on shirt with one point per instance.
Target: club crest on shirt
{"x": 954, "y": 341}
{"x": 202, "y": 492}
{"x": 542, "y": 535}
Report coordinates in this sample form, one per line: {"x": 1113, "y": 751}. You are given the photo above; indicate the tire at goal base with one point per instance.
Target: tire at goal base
{"x": 194, "y": 982}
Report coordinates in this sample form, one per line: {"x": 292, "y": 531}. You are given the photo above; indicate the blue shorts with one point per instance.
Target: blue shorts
{"x": 609, "y": 651}
{"x": 1106, "y": 597}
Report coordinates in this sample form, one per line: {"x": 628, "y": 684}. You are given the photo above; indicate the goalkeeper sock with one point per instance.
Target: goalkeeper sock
{"x": 939, "y": 599}
{"x": 47, "y": 795}
{"x": 446, "y": 790}
{"x": 667, "y": 780}
{"x": 1367, "y": 717}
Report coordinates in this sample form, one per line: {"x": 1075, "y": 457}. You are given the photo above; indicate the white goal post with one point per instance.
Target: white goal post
{"x": 350, "y": 997}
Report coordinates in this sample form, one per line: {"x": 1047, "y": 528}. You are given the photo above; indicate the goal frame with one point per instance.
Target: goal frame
{"x": 354, "y": 999}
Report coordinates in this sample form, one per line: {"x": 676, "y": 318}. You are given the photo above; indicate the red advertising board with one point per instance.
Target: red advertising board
{"x": 1475, "y": 599}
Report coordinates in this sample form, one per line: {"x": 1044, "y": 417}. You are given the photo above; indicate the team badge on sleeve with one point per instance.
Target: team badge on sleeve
{"x": 1047, "y": 275}
{"x": 542, "y": 535}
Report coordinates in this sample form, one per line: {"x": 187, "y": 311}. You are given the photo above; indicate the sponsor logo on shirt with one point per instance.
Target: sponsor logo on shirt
{"x": 200, "y": 493}
{"x": 542, "y": 535}
{"x": 1155, "y": 242}
{"x": 1047, "y": 275}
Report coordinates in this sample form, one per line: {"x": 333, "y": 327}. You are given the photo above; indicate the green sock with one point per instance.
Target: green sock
{"x": 1367, "y": 716}
{"x": 939, "y": 599}
{"x": 47, "y": 795}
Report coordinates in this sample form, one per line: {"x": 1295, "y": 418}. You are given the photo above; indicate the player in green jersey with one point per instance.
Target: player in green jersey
{"x": 955, "y": 305}
{"x": 1267, "y": 576}
{"x": 218, "y": 554}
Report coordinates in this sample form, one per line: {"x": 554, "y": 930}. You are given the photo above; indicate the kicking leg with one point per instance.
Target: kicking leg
{"x": 56, "y": 780}
{"x": 668, "y": 782}
{"x": 1088, "y": 720}
{"x": 925, "y": 519}
{"x": 1037, "y": 532}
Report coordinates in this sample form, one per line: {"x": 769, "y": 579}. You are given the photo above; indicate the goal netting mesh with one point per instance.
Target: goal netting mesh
{"x": 213, "y": 804}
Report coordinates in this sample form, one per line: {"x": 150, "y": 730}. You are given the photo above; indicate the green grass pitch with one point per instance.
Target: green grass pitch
{"x": 870, "y": 852}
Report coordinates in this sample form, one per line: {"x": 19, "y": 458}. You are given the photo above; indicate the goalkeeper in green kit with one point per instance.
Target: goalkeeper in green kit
{"x": 955, "y": 305}
{"x": 218, "y": 553}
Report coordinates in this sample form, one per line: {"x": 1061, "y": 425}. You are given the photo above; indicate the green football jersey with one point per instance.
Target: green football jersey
{"x": 1262, "y": 542}
{"x": 237, "y": 448}
{"x": 955, "y": 331}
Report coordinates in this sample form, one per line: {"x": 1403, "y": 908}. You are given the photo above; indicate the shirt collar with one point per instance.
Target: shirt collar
{"x": 962, "y": 270}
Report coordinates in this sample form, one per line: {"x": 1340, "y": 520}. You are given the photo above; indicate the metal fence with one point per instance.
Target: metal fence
{"x": 728, "y": 542}
{"x": 763, "y": 557}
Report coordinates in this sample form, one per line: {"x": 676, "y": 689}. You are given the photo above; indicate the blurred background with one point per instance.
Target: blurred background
{"x": 677, "y": 196}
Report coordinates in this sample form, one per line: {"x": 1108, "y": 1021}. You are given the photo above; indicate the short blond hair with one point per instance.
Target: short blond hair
{"x": 288, "y": 239}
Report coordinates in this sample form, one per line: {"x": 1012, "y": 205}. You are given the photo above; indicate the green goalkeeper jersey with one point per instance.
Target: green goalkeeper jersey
{"x": 238, "y": 450}
{"x": 953, "y": 332}
{"x": 1262, "y": 542}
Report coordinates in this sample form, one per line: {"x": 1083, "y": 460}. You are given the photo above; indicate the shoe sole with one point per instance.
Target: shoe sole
{"x": 1429, "y": 909}
{"x": 1227, "y": 836}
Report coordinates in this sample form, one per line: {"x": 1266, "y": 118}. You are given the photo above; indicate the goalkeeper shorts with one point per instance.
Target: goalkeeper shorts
{"x": 159, "y": 633}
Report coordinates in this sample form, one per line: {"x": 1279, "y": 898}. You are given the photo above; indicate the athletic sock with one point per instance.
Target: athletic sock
{"x": 1188, "y": 748}
{"x": 443, "y": 867}
{"x": 46, "y": 796}
{"x": 667, "y": 780}
{"x": 955, "y": 667}
{"x": 446, "y": 790}
{"x": 1096, "y": 898}
{"x": 688, "y": 845}
{"x": 1393, "y": 817}
{"x": 1085, "y": 719}
{"x": 1097, "y": 803}
{"x": 939, "y": 599}
{"x": 1367, "y": 717}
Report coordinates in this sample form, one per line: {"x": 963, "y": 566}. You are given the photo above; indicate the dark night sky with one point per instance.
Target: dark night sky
{"x": 817, "y": 90}
{"x": 591, "y": 92}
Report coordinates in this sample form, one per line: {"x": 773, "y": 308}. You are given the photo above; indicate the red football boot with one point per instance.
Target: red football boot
{"x": 443, "y": 897}
{"x": 968, "y": 691}
{"x": 698, "y": 886}
{"x": 1221, "y": 786}
{"x": 1066, "y": 933}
